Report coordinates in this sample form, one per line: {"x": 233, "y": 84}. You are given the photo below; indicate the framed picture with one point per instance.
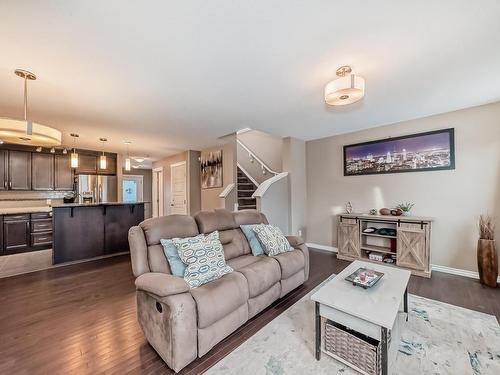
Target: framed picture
{"x": 211, "y": 169}
{"x": 430, "y": 151}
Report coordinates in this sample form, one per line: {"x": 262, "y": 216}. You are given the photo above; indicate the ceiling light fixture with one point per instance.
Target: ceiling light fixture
{"x": 74, "y": 155}
{"x": 127, "y": 159}
{"x": 139, "y": 160}
{"x": 65, "y": 151}
{"x": 102, "y": 158}
{"x": 27, "y": 132}
{"x": 346, "y": 89}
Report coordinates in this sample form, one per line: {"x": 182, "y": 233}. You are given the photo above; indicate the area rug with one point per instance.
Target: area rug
{"x": 438, "y": 339}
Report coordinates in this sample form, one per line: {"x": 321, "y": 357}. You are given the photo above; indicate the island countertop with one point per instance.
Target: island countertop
{"x": 24, "y": 210}
{"x": 64, "y": 205}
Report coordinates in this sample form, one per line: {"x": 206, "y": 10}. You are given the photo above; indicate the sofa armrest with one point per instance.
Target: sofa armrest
{"x": 295, "y": 241}
{"x": 161, "y": 284}
{"x": 298, "y": 243}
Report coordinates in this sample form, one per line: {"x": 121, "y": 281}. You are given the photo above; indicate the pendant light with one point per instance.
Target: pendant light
{"x": 74, "y": 155}
{"x": 102, "y": 159}
{"x": 127, "y": 159}
{"x": 27, "y": 132}
{"x": 346, "y": 89}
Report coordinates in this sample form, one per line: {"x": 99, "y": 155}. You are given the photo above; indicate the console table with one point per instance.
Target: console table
{"x": 409, "y": 246}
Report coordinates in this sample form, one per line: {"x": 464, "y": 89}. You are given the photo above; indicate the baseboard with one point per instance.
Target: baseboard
{"x": 457, "y": 271}
{"x": 322, "y": 247}
{"x": 435, "y": 267}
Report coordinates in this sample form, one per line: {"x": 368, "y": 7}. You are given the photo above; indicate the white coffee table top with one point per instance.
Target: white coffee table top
{"x": 378, "y": 305}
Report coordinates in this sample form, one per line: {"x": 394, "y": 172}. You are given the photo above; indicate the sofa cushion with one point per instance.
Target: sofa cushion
{"x": 261, "y": 275}
{"x": 252, "y": 239}
{"x": 290, "y": 263}
{"x": 168, "y": 227}
{"x": 272, "y": 239}
{"x": 177, "y": 267}
{"x": 234, "y": 243}
{"x": 242, "y": 261}
{"x": 212, "y": 220}
{"x": 249, "y": 217}
{"x": 219, "y": 298}
{"x": 204, "y": 258}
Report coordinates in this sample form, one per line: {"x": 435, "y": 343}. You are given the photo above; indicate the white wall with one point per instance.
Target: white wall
{"x": 455, "y": 198}
{"x": 267, "y": 147}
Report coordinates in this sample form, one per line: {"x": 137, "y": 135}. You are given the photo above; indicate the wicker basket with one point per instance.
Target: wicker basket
{"x": 362, "y": 352}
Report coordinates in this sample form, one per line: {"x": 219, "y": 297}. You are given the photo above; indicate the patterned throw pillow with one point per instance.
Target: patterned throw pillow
{"x": 204, "y": 258}
{"x": 176, "y": 266}
{"x": 252, "y": 239}
{"x": 272, "y": 239}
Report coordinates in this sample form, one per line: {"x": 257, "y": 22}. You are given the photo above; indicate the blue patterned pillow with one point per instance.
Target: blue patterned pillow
{"x": 249, "y": 233}
{"x": 204, "y": 258}
{"x": 176, "y": 266}
{"x": 272, "y": 239}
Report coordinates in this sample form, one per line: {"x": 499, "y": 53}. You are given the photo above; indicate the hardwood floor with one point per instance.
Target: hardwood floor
{"x": 82, "y": 318}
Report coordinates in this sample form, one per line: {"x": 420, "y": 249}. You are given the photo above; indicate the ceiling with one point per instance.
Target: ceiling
{"x": 172, "y": 75}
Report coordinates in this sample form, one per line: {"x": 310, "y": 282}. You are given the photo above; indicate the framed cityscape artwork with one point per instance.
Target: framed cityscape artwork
{"x": 431, "y": 151}
{"x": 211, "y": 169}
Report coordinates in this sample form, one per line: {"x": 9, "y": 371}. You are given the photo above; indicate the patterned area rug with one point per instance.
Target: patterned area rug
{"x": 438, "y": 339}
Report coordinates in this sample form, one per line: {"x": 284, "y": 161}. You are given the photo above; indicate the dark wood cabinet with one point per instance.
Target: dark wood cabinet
{"x": 16, "y": 233}
{"x": 63, "y": 174}
{"x": 110, "y": 166}
{"x": 19, "y": 170}
{"x": 87, "y": 164}
{"x": 42, "y": 175}
{"x": 4, "y": 178}
{"x": 118, "y": 220}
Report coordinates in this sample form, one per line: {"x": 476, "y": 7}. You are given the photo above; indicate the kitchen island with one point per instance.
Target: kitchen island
{"x": 90, "y": 230}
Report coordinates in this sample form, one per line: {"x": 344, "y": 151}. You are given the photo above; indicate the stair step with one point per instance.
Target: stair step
{"x": 246, "y": 198}
{"x": 245, "y": 183}
{"x": 246, "y": 190}
{"x": 246, "y": 207}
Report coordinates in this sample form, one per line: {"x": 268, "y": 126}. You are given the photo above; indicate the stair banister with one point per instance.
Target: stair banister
{"x": 255, "y": 157}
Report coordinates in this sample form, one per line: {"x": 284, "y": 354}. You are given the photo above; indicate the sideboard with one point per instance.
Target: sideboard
{"x": 407, "y": 242}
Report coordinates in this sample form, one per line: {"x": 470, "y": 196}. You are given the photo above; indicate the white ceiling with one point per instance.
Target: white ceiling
{"x": 171, "y": 75}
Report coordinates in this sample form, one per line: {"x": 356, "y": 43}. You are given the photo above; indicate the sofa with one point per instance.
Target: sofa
{"x": 182, "y": 324}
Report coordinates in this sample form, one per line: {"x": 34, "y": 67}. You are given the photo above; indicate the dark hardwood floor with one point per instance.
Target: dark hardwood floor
{"x": 81, "y": 318}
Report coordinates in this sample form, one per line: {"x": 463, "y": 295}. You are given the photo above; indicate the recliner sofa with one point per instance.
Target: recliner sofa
{"x": 182, "y": 324}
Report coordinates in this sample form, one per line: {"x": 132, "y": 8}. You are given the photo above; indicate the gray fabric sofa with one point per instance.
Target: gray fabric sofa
{"x": 182, "y": 323}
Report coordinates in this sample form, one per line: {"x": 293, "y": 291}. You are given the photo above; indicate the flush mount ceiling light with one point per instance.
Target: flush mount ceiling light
{"x": 27, "y": 132}
{"x": 346, "y": 89}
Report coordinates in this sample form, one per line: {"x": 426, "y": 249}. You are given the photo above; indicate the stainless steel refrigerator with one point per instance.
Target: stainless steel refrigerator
{"x": 98, "y": 189}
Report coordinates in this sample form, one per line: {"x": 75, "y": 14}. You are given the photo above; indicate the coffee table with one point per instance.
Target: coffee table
{"x": 373, "y": 312}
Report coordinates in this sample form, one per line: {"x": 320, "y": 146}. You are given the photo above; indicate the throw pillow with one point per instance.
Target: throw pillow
{"x": 252, "y": 239}
{"x": 177, "y": 267}
{"x": 272, "y": 239}
{"x": 204, "y": 258}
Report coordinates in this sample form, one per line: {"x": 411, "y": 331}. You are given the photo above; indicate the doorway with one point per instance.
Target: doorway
{"x": 133, "y": 188}
{"x": 158, "y": 192}
{"x": 178, "y": 197}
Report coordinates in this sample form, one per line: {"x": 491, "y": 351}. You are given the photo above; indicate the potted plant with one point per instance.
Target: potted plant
{"x": 487, "y": 259}
{"x": 406, "y": 208}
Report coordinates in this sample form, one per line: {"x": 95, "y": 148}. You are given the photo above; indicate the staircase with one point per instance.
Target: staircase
{"x": 245, "y": 188}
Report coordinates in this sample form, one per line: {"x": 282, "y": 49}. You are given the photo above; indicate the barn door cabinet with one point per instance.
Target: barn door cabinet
{"x": 404, "y": 240}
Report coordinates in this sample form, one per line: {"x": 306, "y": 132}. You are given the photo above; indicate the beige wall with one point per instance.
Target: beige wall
{"x": 210, "y": 197}
{"x": 266, "y": 147}
{"x": 455, "y": 198}
{"x": 294, "y": 162}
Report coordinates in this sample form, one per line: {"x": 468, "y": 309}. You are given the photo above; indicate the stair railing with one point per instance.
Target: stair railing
{"x": 229, "y": 197}
{"x": 254, "y": 157}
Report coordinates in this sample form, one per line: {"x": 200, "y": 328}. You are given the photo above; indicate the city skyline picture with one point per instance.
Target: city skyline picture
{"x": 411, "y": 153}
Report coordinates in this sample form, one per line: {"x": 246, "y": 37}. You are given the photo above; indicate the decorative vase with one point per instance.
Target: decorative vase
{"x": 487, "y": 262}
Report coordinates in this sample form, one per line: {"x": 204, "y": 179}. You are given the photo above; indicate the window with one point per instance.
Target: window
{"x": 132, "y": 188}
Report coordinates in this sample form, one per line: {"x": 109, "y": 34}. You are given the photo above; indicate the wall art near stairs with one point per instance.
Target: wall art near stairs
{"x": 211, "y": 169}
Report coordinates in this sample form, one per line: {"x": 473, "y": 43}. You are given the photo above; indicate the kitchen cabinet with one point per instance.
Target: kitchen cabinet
{"x": 63, "y": 174}
{"x": 110, "y": 166}
{"x": 4, "y": 178}
{"x": 87, "y": 164}
{"x": 118, "y": 220}
{"x": 16, "y": 233}
{"x": 19, "y": 170}
{"x": 42, "y": 167}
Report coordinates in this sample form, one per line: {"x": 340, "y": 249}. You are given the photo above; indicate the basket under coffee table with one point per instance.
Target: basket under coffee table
{"x": 361, "y": 327}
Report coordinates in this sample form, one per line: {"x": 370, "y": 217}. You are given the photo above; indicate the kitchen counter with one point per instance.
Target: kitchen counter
{"x": 24, "y": 210}
{"x": 94, "y": 204}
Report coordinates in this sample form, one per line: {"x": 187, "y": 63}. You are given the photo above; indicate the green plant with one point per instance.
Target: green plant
{"x": 406, "y": 206}
{"x": 486, "y": 227}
